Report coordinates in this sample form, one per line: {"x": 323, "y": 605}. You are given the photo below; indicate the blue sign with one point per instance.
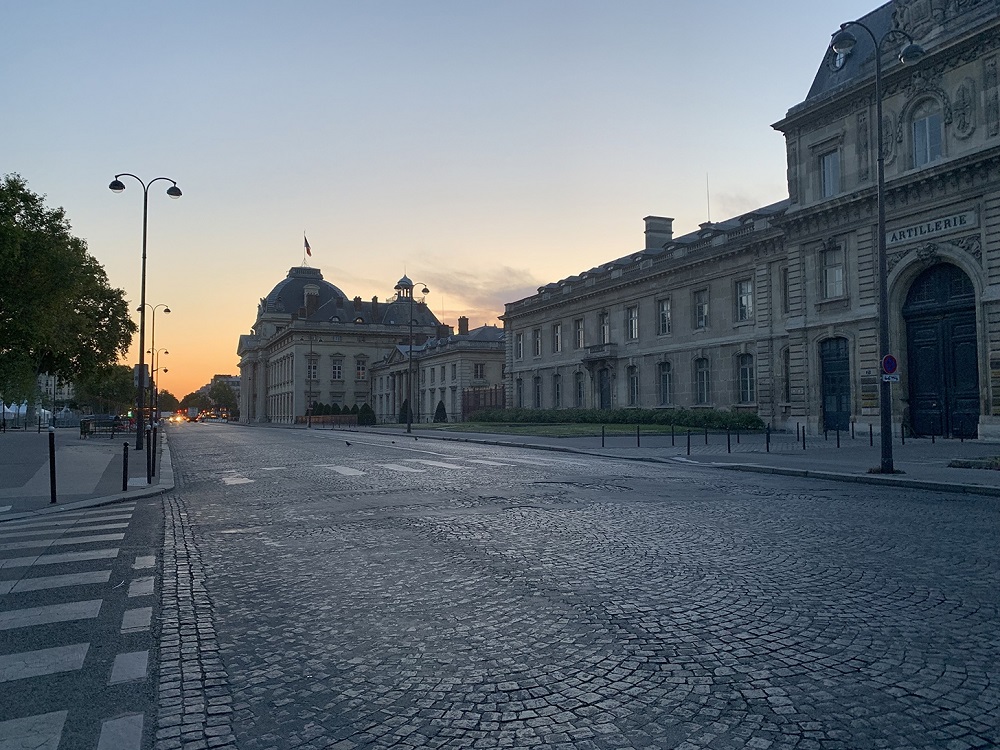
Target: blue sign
{"x": 889, "y": 364}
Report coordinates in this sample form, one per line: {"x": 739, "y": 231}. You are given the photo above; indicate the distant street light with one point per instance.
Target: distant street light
{"x": 173, "y": 191}
{"x": 842, "y": 43}
{"x": 406, "y": 285}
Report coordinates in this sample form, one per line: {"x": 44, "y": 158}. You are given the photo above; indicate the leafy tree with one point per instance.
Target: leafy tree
{"x": 110, "y": 390}
{"x": 223, "y": 397}
{"x": 60, "y": 315}
{"x": 366, "y": 415}
{"x": 198, "y": 400}
{"x": 355, "y": 409}
{"x": 404, "y": 410}
{"x": 168, "y": 402}
{"x": 440, "y": 414}
{"x": 334, "y": 409}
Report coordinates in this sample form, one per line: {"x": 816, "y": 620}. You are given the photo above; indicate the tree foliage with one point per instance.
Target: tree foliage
{"x": 223, "y": 397}
{"x": 440, "y": 414}
{"x": 109, "y": 390}
{"x": 168, "y": 402}
{"x": 58, "y": 312}
{"x": 198, "y": 400}
{"x": 366, "y": 415}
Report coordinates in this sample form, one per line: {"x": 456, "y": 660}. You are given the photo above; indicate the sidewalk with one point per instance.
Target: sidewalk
{"x": 924, "y": 464}
{"x": 88, "y": 472}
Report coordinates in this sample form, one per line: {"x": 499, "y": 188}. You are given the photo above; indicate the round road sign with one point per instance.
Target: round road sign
{"x": 889, "y": 364}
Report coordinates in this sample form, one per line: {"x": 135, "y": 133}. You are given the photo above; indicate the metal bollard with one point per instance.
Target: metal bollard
{"x": 729, "y": 444}
{"x": 689, "y": 442}
{"x": 637, "y": 436}
{"x": 871, "y": 435}
{"x": 796, "y": 432}
{"x": 125, "y": 469}
{"x": 737, "y": 435}
{"x": 152, "y": 450}
{"x": 902, "y": 435}
{"x": 149, "y": 457}
{"x": 767, "y": 438}
{"x": 602, "y": 436}
{"x": 671, "y": 434}
{"x": 932, "y": 438}
{"x": 706, "y": 436}
{"x": 52, "y": 463}
{"x": 803, "y": 437}
{"x": 852, "y": 429}
{"x": 838, "y": 437}
{"x": 826, "y": 436}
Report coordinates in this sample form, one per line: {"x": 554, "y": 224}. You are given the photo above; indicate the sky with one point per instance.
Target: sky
{"x": 482, "y": 148}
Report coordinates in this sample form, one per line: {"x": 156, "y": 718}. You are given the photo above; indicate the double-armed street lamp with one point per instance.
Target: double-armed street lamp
{"x": 406, "y": 285}
{"x": 155, "y": 361}
{"x": 842, "y": 43}
{"x": 173, "y": 191}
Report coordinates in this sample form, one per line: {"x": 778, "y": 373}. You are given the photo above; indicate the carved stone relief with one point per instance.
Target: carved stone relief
{"x": 930, "y": 253}
{"x": 992, "y": 96}
{"x": 888, "y": 142}
{"x": 964, "y": 109}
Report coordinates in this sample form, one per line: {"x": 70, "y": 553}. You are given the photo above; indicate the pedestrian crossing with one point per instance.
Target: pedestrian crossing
{"x": 52, "y": 597}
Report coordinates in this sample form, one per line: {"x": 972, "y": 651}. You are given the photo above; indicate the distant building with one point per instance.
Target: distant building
{"x": 312, "y": 344}
{"x": 464, "y": 371}
{"x": 776, "y": 311}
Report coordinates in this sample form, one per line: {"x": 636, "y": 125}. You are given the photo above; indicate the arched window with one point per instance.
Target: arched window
{"x": 748, "y": 386}
{"x": 702, "y": 381}
{"x": 666, "y": 384}
{"x": 927, "y": 131}
{"x": 578, "y": 389}
{"x": 633, "y": 385}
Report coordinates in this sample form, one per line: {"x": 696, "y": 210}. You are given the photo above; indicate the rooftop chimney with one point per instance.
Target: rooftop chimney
{"x": 659, "y": 231}
{"x": 463, "y": 326}
{"x": 357, "y": 304}
{"x": 374, "y": 309}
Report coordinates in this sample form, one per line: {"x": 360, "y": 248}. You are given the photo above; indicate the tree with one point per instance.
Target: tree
{"x": 58, "y": 312}
{"x": 198, "y": 400}
{"x": 110, "y": 390}
{"x": 440, "y": 414}
{"x": 168, "y": 402}
{"x": 366, "y": 415}
{"x": 404, "y": 411}
{"x": 223, "y": 397}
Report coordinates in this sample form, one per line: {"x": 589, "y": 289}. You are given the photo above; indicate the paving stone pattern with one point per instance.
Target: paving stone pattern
{"x": 602, "y": 605}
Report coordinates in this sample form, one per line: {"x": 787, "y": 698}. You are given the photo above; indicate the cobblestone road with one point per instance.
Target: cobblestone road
{"x": 409, "y": 594}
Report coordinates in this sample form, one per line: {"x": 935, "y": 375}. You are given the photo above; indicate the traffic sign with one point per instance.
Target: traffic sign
{"x": 889, "y": 364}
{"x": 890, "y": 378}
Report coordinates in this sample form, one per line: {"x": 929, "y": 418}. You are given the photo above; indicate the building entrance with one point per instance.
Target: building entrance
{"x": 835, "y": 362}
{"x": 604, "y": 387}
{"x": 942, "y": 361}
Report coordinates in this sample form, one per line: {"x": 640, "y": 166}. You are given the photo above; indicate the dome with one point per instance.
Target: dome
{"x": 289, "y": 294}
{"x": 404, "y": 282}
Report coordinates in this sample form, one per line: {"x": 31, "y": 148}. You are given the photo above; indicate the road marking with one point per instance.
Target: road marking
{"x": 438, "y": 464}
{"x": 7, "y": 546}
{"x": 141, "y": 587}
{"x": 40, "y": 732}
{"x": 129, "y": 667}
{"x": 399, "y": 467}
{"x": 145, "y": 561}
{"x": 54, "y": 582}
{"x": 66, "y": 612}
{"x": 124, "y": 733}
{"x": 347, "y": 471}
{"x": 488, "y": 463}
{"x": 235, "y": 479}
{"x": 41, "y": 662}
{"x": 63, "y": 521}
{"x": 21, "y": 533}
{"x": 273, "y": 468}
{"x": 59, "y": 558}
{"x": 135, "y": 620}
{"x": 5, "y": 508}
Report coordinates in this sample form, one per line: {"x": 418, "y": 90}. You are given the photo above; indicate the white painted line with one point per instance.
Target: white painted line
{"x": 129, "y": 667}
{"x": 488, "y": 463}
{"x": 39, "y": 732}
{"x": 63, "y": 521}
{"x": 57, "y": 559}
{"x": 57, "y": 533}
{"x": 273, "y": 468}
{"x": 347, "y": 471}
{"x": 235, "y": 480}
{"x": 124, "y": 733}
{"x": 66, "y": 612}
{"x": 55, "y": 582}
{"x": 145, "y": 561}
{"x": 42, "y": 662}
{"x": 141, "y": 587}
{"x": 135, "y": 620}
{"x": 399, "y": 467}
{"x": 438, "y": 464}
{"x": 5, "y": 508}
{"x": 62, "y": 542}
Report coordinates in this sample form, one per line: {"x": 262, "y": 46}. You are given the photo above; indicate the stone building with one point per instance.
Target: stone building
{"x": 310, "y": 344}
{"x": 464, "y": 371}
{"x": 776, "y": 311}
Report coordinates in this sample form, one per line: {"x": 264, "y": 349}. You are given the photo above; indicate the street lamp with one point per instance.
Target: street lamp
{"x": 173, "y": 191}
{"x": 842, "y": 43}
{"x": 405, "y": 285}
{"x": 155, "y": 359}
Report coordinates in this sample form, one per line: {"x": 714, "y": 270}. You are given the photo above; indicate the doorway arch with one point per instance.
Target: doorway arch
{"x": 942, "y": 356}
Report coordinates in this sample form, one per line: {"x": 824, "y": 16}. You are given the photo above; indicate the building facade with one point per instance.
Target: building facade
{"x": 776, "y": 311}
{"x": 463, "y": 371}
{"x": 311, "y": 344}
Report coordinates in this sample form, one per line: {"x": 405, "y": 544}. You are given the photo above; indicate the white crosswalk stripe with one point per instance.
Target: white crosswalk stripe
{"x": 436, "y": 464}
{"x": 400, "y": 467}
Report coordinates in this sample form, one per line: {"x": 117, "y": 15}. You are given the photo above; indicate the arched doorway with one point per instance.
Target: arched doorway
{"x": 835, "y": 363}
{"x": 942, "y": 360}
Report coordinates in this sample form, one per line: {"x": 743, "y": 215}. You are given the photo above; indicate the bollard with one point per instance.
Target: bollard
{"x": 52, "y": 463}
{"x": 767, "y": 438}
{"x": 706, "y": 436}
{"x": 39, "y": 423}
{"x": 125, "y": 469}
{"x": 902, "y": 435}
{"x": 689, "y": 442}
{"x": 152, "y": 450}
{"x": 637, "y": 436}
{"x": 838, "y": 437}
{"x": 932, "y": 438}
{"x": 729, "y": 444}
{"x": 149, "y": 456}
{"x": 796, "y": 432}
{"x": 803, "y": 437}
{"x": 826, "y": 436}
{"x": 671, "y": 434}
{"x": 602, "y": 436}
{"x": 871, "y": 435}
{"x": 737, "y": 435}
{"x": 852, "y": 429}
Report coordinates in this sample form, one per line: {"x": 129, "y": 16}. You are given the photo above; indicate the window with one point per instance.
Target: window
{"x": 433, "y": 373}
{"x": 337, "y": 369}
{"x": 442, "y": 374}
{"x": 361, "y": 369}
{"x": 702, "y": 381}
{"x": 536, "y": 342}
{"x": 927, "y": 127}
{"x": 557, "y": 390}
{"x": 537, "y": 392}
{"x": 518, "y": 346}
{"x": 786, "y": 290}
{"x": 701, "y": 308}
{"x": 833, "y": 272}
{"x": 454, "y": 372}
{"x": 311, "y": 369}
{"x": 829, "y": 170}
{"x": 578, "y": 389}
{"x": 557, "y": 338}
{"x": 746, "y": 378}
{"x": 744, "y": 300}
{"x": 605, "y": 322}
{"x": 479, "y": 370}
{"x": 578, "y": 333}
{"x": 519, "y": 393}
{"x": 632, "y": 373}
{"x": 663, "y": 308}
{"x": 786, "y": 366}
{"x": 632, "y": 322}
{"x": 666, "y": 383}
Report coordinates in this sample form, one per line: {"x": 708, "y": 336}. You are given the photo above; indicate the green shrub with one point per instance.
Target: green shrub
{"x": 713, "y": 419}
{"x": 440, "y": 414}
{"x": 366, "y": 415}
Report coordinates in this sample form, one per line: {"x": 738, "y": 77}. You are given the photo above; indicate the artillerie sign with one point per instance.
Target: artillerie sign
{"x": 934, "y": 227}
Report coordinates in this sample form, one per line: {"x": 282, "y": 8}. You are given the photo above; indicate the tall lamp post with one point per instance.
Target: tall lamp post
{"x": 155, "y": 360}
{"x": 405, "y": 285}
{"x": 173, "y": 191}
{"x": 842, "y": 43}
{"x": 152, "y": 338}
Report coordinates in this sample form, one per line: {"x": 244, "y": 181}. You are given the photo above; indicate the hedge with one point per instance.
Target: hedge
{"x": 711, "y": 418}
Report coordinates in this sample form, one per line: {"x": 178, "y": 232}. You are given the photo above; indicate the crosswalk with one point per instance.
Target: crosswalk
{"x": 59, "y": 588}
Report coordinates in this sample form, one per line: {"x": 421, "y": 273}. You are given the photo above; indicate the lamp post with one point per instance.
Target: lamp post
{"x": 155, "y": 359}
{"x": 842, "y": 43}
{"x": 405, "y": 285}
{"x": 173, "y": 191}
